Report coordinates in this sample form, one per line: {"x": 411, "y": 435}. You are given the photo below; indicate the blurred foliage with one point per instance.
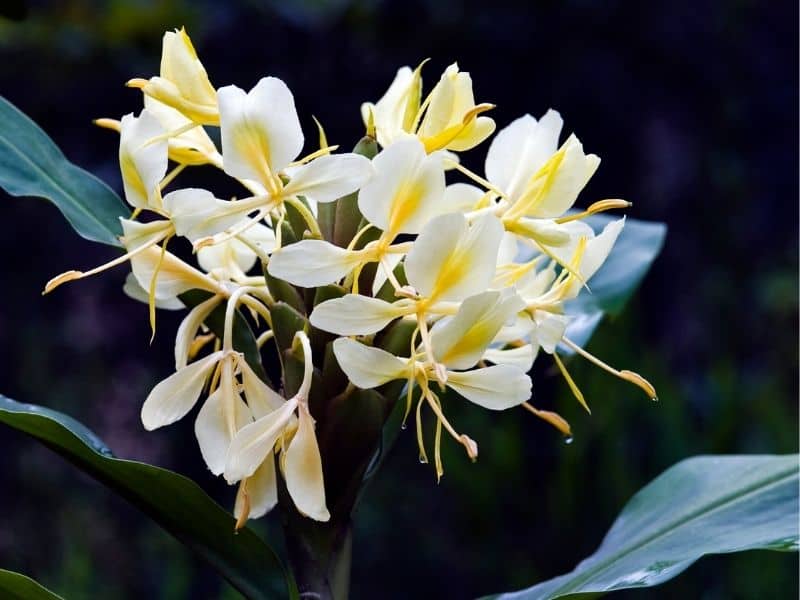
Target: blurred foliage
{"x": 692, "y": 106}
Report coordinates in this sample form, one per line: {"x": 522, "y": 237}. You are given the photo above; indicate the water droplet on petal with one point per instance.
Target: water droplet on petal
{"x": 568, "y": 440}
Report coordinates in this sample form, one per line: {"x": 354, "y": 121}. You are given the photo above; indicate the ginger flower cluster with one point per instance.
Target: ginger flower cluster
{"x": 396, "y": 264}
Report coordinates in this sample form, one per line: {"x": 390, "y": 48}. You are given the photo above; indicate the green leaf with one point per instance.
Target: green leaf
{"x": 173, "y": 501}
{"x": 14, "y": 586}
{"x": 32, "y": 165}
{"x": 702, "y": 505}
{"x": 613, "y": 285}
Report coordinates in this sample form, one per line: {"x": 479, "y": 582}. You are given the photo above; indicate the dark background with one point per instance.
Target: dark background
{"x": 693, "y": 107}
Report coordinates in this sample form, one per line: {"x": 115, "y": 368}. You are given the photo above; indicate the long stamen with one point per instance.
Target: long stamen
{"x": 307, "y": 215}
{"x": 551, "y": 417}
{"x": 151, "y": 298}
{"x": 596, "y": 207}
{"x": 171, "y": 176}
{"x": 468, "y": 443}
{"x": 572, "y": 385}
{"x": 72, "y": 275}
{"x": 231, "y": 233}
{"x": 170, "y": 134}
{"x": 309, "y": 157}
{"x": 245, "y": 503}
{"x": 308, "y": 365}
{"x": 476, "y": 178}
{"x": 628, "y": 376}
{"x": 230, "y": 309}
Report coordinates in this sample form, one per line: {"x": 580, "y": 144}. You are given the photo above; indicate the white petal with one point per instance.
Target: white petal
{"x": 366, "y": 366}
{"x": 595, "y": 253}
{"x": 496, "y": 388}
{"x": 461, "y": 197}
{"x": 303, "y": 470}
{"x": 172, "y": 398}
{"x": 190, "y": 147}
{"x": 451, "y": 260}
{"x": 355, "y": 315}
{"x": 261, "y": 398}
{"x": 196, "y": 213}
{"x": 521, "y": 357}
{"x": 221, "y": 416}
{"x": 406, "y": 190}
{"x": 136, "y": 234}
{"x": 312, "y": 263}
{"x": 598, "y": 248}
{"x": 143, "y": 164}
{"x": 260, "y": 130}
{"x": 557, "y": 185}
{"x": 181, "y": 66}
{"x": 262, "y": 491}
{"x": 233, "y": 258}
{"x": 330, "y": 177}
{"x": 174, "y": 275}
{"x": 391, "y": 261}
{"x": 520, "y": 150}
{"x": 549, "y": 329}
{"x": 254, "y": 442}
{"x": 188, "y": 329}
{"x": 390, "y": 112}
{"x": 132, "y": 289}
{"x": 460, "y": 342}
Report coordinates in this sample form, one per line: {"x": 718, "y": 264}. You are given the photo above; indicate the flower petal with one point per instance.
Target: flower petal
{"x": 254, "y": 442}
{"x": 303, "y": 470}
{"x": 173, "y": 275}
{"x": 262, "y": 492}
{"x": 497, "y": 388}
{"x": 143, "y": 163}
{"x": 460, "y": 342}
{"x": 132, "y": 289}
{"x": 519, "y": 150}
{"x": 555, "y": 187}
{"x": 355, "y": 315}
{"x": 366, "y": 366}
{"x": 407, "y": 188}
{"x": 172, "y": 398}
{"x": 196, "y": 213}
{"x": 188, "y": 329}
{"x": 330, "y": 177}
{"x": 451, "y": 260}
{"x": 260, "y": 130}
{"x": 312, "y": 263}
{"x": 521, "y": 357}
{"x": 261, "y": 398}
{"x": 222, "y": 415}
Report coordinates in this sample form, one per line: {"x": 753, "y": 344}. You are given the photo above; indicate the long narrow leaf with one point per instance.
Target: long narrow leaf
{"x": 14, "y": 586}
{"x": 32, "y": 165}
{"x": 702, "y": 505}
{"x": 175, "y": 502}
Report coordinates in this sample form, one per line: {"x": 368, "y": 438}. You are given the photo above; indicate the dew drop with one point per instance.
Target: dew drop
{"x": 568, "y": 440}
{"x": 423, "y": 459}
{"x": 403, "y": 426}
{"x": 654, "y": 398}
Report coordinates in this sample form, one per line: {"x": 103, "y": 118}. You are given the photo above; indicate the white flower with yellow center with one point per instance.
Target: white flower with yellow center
{"x": 448, "y": 119}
